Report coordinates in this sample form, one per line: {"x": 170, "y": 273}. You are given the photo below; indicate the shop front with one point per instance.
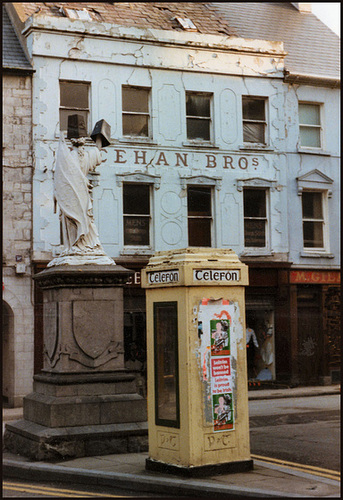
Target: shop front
{"x": 315, "y": 312}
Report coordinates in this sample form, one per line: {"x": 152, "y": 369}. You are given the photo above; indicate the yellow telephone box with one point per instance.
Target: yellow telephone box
{"x": 197, "y": 376}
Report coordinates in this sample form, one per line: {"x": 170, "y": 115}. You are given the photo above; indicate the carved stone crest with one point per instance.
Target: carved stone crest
{"x": 87, "y": 316}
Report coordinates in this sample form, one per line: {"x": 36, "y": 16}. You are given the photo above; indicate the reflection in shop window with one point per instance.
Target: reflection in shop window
{"x": 255, "y": 218}
{"x": 166, "y": 364}
{"x": 136, "y": 209}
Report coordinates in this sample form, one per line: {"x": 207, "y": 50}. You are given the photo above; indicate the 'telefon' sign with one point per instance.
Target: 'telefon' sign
{"x": 215, "y": 275}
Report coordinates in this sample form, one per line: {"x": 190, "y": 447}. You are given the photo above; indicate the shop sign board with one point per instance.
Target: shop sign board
{"x": 315, "y": 277}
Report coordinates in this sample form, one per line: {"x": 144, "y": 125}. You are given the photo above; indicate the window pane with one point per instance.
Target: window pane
{"x": 253, "y": 109}
{"x": 310, "y": 137}
{"x": 74, "y": 95}
{"x": 137, "y": 125}
{"x": 166, "y": 363}
{"x": 313, "y": 234}
{"x": 136, "y": 199}
{"x": 199, "y": 232}
{"x": 253, "y": 132}
{"x": 312, "y": 205}
{"x": 135, "y": 99}
{"x": 197, "y": 105}
{"x": 254, "y": 203}
{"x": 199, "y": 201}
{"x": 254, "y": 233}
{"x": 198, "y": 129}
{"x": 309, "y": 114}
{"x": 136, "y": 230}
{"x": 64, "y": 120}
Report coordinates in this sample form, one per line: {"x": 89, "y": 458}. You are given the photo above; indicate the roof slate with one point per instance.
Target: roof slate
{"x": 312, "y": 47}
{"x": 13, "y": 56}
{"x": 154, "y": 15}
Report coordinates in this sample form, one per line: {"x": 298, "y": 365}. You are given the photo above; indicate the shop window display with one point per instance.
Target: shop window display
{"x": 260, "y": 344}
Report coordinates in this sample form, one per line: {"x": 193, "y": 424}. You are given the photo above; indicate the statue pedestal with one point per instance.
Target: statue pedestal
{"x": 84, "y": 402}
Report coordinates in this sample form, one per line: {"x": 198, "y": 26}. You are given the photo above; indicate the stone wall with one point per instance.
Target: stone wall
{"x": 17, "y": 238}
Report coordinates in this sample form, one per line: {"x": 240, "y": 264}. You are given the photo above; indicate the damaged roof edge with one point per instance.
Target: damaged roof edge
{"x": 153, "y": 35}
{"x": 312, "y": 79}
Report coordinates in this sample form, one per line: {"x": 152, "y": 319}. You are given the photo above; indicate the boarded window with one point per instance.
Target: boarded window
{"x": 136, "y": 208}
{"x": 255, "y": 218}
{"x": 74, "y": 100}
{"x": 309, "y": 125}
{"x": 313, "y": 220}
{"x": 199, "y": 216}
{"x": 198, "y": 116}
{"x": 135, "y": 107}
{"x": 254, "y": 120}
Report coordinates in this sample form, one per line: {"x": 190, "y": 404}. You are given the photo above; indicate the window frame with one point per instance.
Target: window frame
{"x": 323, "y": 220}
{"x": 146, "y": 216}
{"x": 309, "y": 126}
{"x": 75, "y": 108}
{"x": 193, "y": 217}
{"x": 263, "y": 122}
{"x": 266, "y": 218}
{"x": 147, "y": 137}
{"x": 209, "y": 119}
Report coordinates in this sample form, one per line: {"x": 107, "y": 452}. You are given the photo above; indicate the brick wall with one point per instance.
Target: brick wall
{"x": 17, "y": 236}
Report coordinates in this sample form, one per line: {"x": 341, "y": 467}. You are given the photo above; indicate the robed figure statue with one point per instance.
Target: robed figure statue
{"x": 72, "y": 191}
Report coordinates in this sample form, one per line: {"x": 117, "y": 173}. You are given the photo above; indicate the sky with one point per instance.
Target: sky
{"x": 329, "y": 13}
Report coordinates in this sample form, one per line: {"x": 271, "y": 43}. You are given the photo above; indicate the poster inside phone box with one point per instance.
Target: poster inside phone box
{"x": 218, "y": 321}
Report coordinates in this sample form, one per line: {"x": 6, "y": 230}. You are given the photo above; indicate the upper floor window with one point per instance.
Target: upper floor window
{"x": 74, "y": 100}
{"x": 255, "y": 218}
{"x": 136, "y": 114}
{"x": 136, "y": 211}
{"x": 254, "y": 120}
{"x": 198, "y": 116}
{"x": 199, "y": 200}
{"x": 313, "y": 219}
{"x": 309, "y": 125}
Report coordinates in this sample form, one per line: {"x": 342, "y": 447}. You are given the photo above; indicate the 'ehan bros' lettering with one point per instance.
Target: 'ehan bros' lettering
{"x": 175, "y": 159}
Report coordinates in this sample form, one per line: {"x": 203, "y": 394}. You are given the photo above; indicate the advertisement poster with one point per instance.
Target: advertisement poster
{"x": 215, "y": 328}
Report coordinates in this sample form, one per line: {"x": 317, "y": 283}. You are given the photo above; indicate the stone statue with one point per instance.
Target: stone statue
{"x": 72, "y": 191}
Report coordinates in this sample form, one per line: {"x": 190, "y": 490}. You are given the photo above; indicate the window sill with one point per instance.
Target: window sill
{"x": 257, "y": 253}
{"x": 316, "y": 254}
{"x": 255, "y": 147}
{"x": 137, "y": 251}
{"x": 310, "y": 151}
{"x": 137, "y": 140}
{"x": 199, "y": 144}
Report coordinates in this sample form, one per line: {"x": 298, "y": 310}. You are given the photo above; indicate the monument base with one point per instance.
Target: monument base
{"x": 201, "y": 470}
{"x": 84, "y": 402}
{"x": 77, "y": 415}
{"x": 39, "y": 442}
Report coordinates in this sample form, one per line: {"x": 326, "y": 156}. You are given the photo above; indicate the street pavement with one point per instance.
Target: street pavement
{"x": 273, "y": 478}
